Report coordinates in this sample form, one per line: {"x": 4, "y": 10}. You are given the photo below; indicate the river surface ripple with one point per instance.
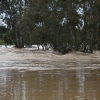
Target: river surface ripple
{"x": 31, "y": 74}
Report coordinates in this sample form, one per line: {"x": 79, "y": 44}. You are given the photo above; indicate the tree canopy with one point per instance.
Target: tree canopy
{"x": 65, "y": 24}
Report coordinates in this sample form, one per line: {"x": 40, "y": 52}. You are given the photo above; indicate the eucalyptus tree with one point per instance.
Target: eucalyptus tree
{"x": 91, "y": 23}
{"x": 12, "y": 10}
{"x": 34, "y": 23}
{"x": 68, "y": 22}
{"x": 73, "y": 22}
{"x": 55, "y": 22}
{"x": 96, "y": 13}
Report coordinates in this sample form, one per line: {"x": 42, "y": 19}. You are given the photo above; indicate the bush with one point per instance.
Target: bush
{"x": 1, "y": 42}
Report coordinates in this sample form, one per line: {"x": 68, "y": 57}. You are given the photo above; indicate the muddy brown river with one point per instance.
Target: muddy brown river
{"x": 31, "y": 74}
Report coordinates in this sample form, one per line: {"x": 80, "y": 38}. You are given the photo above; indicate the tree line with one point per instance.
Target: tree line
{"x": 64, "y": 24}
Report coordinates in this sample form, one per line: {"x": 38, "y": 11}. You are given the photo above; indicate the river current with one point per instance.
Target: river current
{"x": 31, "y": 74}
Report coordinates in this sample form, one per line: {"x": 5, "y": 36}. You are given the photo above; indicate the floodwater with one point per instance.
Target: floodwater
{"x": 30, "y": 74}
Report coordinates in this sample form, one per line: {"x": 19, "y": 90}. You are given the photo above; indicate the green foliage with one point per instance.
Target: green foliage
{"x": 5, "y": 36}
{"x": 1, "y": 42}
{"x": 56, "y": 22}
{"x": 45, "y": 22}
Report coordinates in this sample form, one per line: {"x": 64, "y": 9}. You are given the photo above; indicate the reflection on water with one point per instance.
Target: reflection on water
{"x": 27, "y": 75}
{"x": 50, "y": 85}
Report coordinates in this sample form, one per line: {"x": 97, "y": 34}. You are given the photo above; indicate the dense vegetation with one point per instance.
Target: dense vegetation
{"x": 64, "y": 24}
{"x": 5, "y": 36}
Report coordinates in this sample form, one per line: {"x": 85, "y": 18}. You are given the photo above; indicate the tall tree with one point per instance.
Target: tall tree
{"x": 13, "y": 9}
